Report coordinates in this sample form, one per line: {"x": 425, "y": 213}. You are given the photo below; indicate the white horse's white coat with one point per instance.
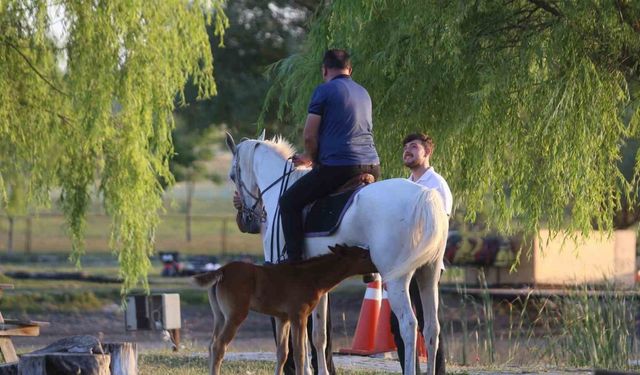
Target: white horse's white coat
{"x": 404, "y": 225}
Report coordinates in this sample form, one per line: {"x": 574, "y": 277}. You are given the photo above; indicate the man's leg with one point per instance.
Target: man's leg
{"x": 319, "y": 182}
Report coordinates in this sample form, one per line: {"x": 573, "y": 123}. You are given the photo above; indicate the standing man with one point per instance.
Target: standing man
{"x": 418, "y": 148}
{"x": 338, "y": 143}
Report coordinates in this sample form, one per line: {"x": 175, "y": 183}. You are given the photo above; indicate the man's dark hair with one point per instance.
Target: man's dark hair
{"x": 425, "y": 139}
{"x": 336, "y": 59}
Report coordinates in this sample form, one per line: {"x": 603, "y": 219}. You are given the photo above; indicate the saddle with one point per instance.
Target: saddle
{"x": 323, "y": 217}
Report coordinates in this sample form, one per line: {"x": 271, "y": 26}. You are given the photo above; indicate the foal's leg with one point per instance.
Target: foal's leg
{"x": 427, "y": 277}
{"x": 235, "y": 308}
{"x": 282, "y": 344}
{"x": 218, "y": 323}
{"x": 398, "y": 291}
{"x": 218, "y": 317}
{"x": 219, "y": 347}
{"x": 320, "y": 334}
{"x": 299, "y": 328}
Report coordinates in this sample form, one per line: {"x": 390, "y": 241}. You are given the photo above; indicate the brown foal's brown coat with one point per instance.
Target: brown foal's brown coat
{"x": 288, "y": 292}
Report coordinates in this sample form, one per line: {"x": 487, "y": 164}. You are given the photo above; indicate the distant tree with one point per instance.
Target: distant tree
{"x": 87, "y": 92}
{"x": 530, "y": 101}
{"x": 261, "y": 32}
{"x": 192, "y": 149}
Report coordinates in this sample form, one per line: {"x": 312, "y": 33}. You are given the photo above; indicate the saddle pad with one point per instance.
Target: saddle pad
{"x": 323, "y": 216}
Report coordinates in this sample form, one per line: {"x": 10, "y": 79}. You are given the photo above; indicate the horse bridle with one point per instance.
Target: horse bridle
{"x": 256, "y": 212}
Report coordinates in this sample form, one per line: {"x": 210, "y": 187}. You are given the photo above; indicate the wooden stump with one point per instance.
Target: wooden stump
{"x": 73, "y": 344}
{"x": 9, "y": 369}
{"x": 124, "y": 357}
{"x": 64, "y": 363}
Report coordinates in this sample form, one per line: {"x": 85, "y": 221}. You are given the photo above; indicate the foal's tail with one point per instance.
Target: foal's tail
{"x": 208, "y": 279}
{"x": 427, "y": 236}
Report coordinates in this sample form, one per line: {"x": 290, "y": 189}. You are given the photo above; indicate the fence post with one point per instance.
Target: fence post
{"x": 223, "y": 236}
{"x": 27, "y": 235}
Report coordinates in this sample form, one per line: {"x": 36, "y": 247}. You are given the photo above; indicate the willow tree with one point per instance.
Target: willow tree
{"x": 87, "y": 90}
{"x": 530, "y": 102}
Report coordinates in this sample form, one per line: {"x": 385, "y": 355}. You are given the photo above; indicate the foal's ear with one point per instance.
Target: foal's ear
{"x": 340, "y": 250}
{"x": 231, "y": 144}
{"x": 262, "y": 135}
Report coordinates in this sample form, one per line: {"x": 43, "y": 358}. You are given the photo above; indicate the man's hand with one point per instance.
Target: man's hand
{"x": 302, "y": 160}
{"x": 237, "y": 201}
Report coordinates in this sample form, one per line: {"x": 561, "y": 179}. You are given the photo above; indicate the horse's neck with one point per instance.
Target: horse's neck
{"x": 270, "y": 167}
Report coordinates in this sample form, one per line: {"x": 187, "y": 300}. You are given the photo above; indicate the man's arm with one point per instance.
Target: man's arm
{"x": 310, "y": 137}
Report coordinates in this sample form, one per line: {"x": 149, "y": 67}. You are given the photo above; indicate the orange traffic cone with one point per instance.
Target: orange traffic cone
{"x": 363, "y": 340}
{"x": 384, "y": 339}
{"x": 422, "y": 351}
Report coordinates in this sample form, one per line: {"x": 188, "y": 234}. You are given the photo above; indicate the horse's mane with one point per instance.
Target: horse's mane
{"x": 280, "y": 145}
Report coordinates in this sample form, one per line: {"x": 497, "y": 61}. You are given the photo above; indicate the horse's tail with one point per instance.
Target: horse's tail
{"x": 427, "y": 235}
{"x": 208, "y": 279}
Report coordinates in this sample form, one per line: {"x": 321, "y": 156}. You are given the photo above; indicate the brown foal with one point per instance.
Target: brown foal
{"x": 289, "y": 292}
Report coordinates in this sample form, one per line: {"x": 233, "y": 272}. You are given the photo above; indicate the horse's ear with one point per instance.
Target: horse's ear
{"x": 231, "y": 144}
{"x": 262, "y": 135}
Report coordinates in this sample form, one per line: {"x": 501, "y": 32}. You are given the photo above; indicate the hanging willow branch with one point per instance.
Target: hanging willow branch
{"x": 530, "y": 102}
{"x": 120, "y": 65}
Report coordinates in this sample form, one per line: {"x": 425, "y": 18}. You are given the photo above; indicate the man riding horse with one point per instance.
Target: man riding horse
{"x": 338, "y": 143}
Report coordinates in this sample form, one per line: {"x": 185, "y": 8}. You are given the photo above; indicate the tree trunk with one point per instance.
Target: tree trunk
{"x": 191, "y": 186}
{"x": 10, "y": 236}
{"x": 124, "y": 357}
{"x": 64, "y": 363}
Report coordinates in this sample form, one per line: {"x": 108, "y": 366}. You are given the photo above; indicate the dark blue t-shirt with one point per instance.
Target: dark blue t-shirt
{"x": 345, "y": 136}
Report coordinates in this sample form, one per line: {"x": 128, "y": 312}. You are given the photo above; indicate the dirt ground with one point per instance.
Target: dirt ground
{"x": 254, "y": 334}
{"x": 254, "y": 340}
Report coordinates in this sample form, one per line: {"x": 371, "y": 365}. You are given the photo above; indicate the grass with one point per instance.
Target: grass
{"x": 187, "y": 364}
{"x": 581, "y": 330}
{"x": 596, "y": 331}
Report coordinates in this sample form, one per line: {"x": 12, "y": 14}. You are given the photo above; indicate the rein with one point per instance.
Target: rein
{"x": 260, "y": 213}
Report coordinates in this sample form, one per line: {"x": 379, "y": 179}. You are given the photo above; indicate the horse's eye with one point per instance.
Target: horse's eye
{"x": 232, "y": 176}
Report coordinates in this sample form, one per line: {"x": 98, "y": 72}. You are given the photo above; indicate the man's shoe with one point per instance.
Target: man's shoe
{"x": 368, "y": 278}
{"x": 292, "y": 255}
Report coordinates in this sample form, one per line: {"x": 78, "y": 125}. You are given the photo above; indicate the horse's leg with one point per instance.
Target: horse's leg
{"x": 320, "y": 334}
{"x": 427, "y": 277}
{"x": 398, "y": 292}
{"x": 299, "y": 328}
{"x": 282, "y": 344}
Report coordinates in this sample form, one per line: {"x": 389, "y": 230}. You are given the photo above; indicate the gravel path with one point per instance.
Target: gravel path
{"x": 391, "y": 365}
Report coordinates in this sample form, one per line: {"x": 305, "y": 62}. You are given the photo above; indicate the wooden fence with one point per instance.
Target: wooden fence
{"x": 46, "y": 233}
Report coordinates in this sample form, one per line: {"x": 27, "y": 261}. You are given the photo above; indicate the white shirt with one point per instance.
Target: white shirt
{"x": 433, "y": 180}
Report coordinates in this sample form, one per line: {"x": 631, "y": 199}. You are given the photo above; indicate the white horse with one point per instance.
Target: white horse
{"x": 403, "y": 224}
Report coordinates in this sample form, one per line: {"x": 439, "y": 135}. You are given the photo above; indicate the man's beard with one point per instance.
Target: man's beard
{"x": 411, "y": 164}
